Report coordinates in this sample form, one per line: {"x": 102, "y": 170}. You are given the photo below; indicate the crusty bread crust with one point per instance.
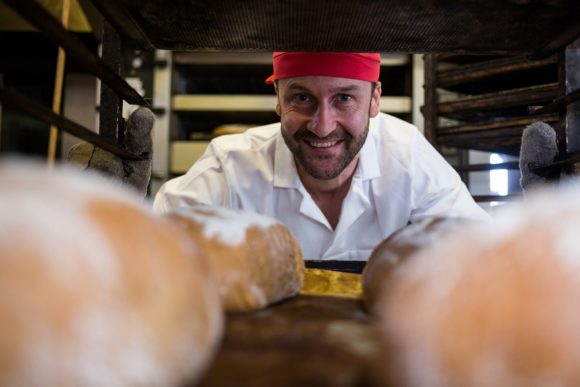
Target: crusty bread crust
{"x": 256, "y": 260}
{"x": 97, "y": 290}
{"x": 492, "y": 304}
{"x": 399, "y": 247}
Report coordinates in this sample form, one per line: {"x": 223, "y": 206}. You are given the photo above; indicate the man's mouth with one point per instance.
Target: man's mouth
{"x": 322, "y": 144}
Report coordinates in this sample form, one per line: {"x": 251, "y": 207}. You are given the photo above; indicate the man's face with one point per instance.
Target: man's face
{"x": 325, "y": 121}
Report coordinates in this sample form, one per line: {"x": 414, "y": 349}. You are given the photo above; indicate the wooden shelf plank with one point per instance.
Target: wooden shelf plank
{"x": 207, "y": 102}
{"x": 487, "y": 69}
{"x": 486, "y": 167}
{"x": 501, "y": 99}
{"x": 516, "y": 122}
{"x": 496, "y": 198}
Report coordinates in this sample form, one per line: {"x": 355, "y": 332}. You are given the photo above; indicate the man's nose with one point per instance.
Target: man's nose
{"x": 323, "y": 121}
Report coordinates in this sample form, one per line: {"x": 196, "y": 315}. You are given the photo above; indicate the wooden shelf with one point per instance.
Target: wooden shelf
{"x": 201, "y": 102}
{"x": 210, "y": 102}
{"x": 187, "y": 58}
{"x": 497, "y": 124}
{"x": 486, "y": 167}
{"x": 501, "y": 99}
{"x": 489, "y": 69}
{"x": 496, "y": 198}
{"x": 396, "y": 104}
{"x": 183, "y": 154}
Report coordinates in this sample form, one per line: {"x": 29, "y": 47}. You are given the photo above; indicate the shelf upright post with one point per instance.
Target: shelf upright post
{"x": 572, "y": 82}
{"x": 111, "y": 105}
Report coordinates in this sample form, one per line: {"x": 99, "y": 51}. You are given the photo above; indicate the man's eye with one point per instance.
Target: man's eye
{"x": 345, "y": 98}
{"x": 301, "y": 98}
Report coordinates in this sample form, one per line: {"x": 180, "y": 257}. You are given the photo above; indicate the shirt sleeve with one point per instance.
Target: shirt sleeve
{"x": 438, "y": 189}
{"x": 204, "y": 183}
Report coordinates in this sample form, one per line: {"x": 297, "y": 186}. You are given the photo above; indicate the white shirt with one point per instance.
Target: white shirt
{"x": 400, "y": 178}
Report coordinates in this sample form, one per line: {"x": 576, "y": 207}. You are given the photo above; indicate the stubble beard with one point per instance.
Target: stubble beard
{"x": 353, "y": 147}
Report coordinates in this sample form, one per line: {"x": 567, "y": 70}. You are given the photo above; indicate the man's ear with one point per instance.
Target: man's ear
{"x": 278, "y": 107}
{"x": 376, "y": 100}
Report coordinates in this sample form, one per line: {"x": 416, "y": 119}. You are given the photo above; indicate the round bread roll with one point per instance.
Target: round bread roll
{"x": 492, "y": 304}
{"x": 231, "y": 129}
{"x": 396, "y": 248}
{"x": 256, "y": 260}
{"x": 96, "y": 290}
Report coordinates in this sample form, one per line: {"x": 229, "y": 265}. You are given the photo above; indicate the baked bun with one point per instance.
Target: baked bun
{"x": 492, "y": 304}
{"x": 397, "y": 247}
{"x": 255, "y": 259}
{"x": 96, "y": 290}
{"x": 231, "y": 129}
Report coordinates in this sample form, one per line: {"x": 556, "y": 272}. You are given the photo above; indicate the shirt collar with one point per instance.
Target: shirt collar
{"x": 286, "y": 175}
{"x": 368, "y": 163}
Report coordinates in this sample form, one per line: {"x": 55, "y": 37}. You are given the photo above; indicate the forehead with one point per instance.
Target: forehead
{"x": 323, "y": 84}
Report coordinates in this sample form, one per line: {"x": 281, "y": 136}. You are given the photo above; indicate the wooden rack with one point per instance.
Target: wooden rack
{"x": 484, "y": 103}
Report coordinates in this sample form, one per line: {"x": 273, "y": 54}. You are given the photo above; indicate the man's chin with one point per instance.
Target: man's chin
{"x": 322, "y": 173}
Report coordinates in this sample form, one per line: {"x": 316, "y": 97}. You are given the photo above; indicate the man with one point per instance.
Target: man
{"x": 340, "y": 174}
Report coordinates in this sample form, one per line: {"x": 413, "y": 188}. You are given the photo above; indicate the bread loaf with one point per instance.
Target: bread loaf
{"x": 96, "y": 290}
{"x": 491, "y": 304}
{"x": 255, "y": 259}
{"x": 397, "y": 248}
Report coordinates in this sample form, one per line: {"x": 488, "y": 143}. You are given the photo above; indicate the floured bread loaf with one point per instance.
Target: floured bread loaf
{"x": 255, "y": 259}
{"x": 95, "y": 290}
{"x": 493, "y": 304}
{"x": 397, "y": 247}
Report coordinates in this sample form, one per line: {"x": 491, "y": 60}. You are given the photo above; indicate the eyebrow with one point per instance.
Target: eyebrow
{"x": 346, "y": 89}
{"x": 339, "y": 89}
{"x": 297, "y": 86}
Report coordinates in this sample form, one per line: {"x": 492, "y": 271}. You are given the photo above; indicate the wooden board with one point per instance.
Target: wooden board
{"x": 323, "y": 337}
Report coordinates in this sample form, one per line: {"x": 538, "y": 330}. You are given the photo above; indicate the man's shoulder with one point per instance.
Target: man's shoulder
{"x": 391, "y": 129}
{"x": 398, "y": 143}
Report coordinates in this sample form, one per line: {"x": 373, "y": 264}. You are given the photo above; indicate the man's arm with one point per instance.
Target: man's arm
{"x": 438, "y": 189}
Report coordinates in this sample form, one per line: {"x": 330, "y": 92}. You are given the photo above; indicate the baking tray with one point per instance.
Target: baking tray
{"x": 474, "y": 26}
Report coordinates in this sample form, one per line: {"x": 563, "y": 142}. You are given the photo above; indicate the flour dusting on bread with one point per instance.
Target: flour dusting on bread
{"x": 229, "y": 226}
{"x": 255, "y": 258}
{"x": 95, "y": 289}
{"x": 491, "y": 304}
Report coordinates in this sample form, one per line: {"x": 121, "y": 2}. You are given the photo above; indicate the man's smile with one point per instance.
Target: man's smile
{"x": 322, "y": 144}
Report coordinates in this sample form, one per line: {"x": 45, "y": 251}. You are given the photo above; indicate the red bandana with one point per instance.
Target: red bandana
{"x": 363, "y": 66}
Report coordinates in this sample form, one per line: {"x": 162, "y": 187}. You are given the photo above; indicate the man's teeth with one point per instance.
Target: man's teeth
{"x": 326, "y": 144}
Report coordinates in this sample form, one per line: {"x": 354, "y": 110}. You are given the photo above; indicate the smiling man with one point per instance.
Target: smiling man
{"x": 335, "y": 170}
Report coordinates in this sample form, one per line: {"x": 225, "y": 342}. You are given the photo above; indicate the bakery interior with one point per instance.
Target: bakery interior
{"x": 471, "y": 75}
